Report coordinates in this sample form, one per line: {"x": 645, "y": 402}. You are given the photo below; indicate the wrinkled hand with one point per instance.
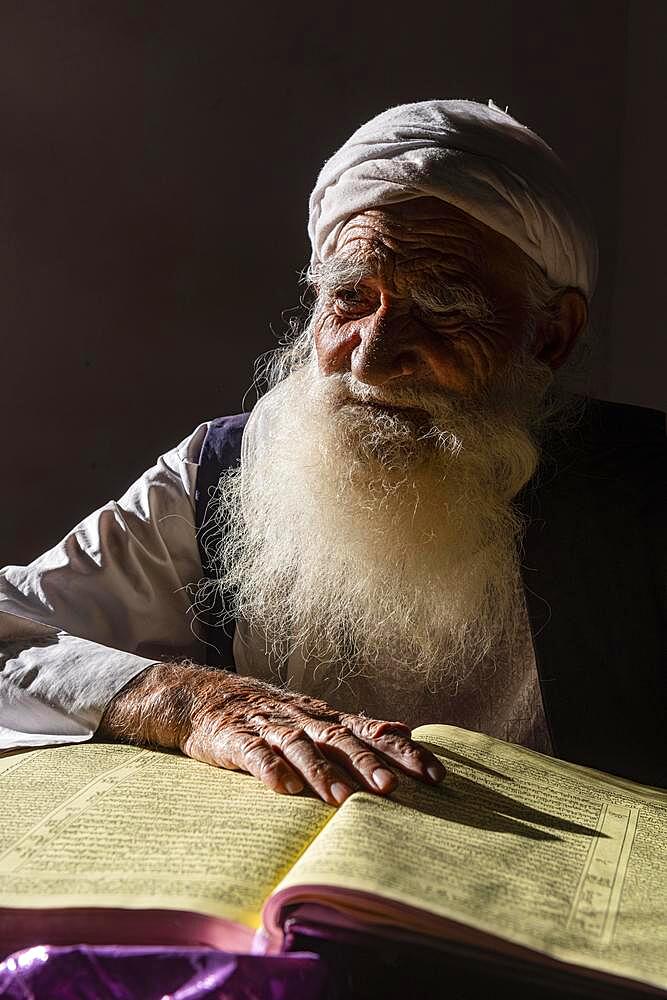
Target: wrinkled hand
{"x": 289, "y": 741}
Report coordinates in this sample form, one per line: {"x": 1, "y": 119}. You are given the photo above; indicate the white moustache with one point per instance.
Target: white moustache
{"x": 412, "y": 400}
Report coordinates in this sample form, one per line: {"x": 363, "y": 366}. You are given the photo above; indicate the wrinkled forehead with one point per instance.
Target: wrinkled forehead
{"x": 423, "y": 233}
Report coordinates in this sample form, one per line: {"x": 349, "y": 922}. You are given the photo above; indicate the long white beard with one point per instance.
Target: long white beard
{"x": 363, "y": 535}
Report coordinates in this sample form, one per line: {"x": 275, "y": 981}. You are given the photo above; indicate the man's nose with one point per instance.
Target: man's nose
{"x": 387, "y": 347}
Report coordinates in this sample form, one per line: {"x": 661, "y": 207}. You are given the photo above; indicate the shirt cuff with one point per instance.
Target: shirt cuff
{"x": 55, "y": 688}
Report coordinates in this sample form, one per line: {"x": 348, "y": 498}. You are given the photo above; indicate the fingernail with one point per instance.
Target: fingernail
{"x": 339, "y": 792}
{"x": 292, "y": 785}
{"x": 383, "y": 779}
{"x": 435, "y": 772}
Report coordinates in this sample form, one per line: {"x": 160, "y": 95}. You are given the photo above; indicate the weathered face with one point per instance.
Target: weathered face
{"x": 430, "y": 295}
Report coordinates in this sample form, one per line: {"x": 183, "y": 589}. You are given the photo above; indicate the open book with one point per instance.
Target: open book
{"x": 515, "y": 854}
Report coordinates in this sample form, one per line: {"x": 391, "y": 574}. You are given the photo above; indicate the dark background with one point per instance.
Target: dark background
{"x": 156, "y": 163}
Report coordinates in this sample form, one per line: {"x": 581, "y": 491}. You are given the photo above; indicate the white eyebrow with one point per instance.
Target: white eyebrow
{"x": 340, "y": 272}
{"x": 450, "y": 297}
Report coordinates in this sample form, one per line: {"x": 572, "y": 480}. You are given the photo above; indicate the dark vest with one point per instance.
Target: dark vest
{"x": 595, "y": 579}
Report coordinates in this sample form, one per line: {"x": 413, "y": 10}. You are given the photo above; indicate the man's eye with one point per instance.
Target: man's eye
{"x": 442, "y": 310}
{"x": 349, "y": 298}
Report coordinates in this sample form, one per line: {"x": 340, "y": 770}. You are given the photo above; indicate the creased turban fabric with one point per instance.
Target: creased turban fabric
{"x": 477, "y": 158}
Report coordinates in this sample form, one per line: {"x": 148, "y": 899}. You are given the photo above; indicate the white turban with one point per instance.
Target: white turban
{"x": 475, "y": 157}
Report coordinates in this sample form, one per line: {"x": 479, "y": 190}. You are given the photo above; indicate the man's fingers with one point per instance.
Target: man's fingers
{"x": 294, "y": 745}
{"x": 358, "y": 758}
{"x": 393, "y": 744}
{"x": 299, "y": 742}
{"x": 245, "y": 750}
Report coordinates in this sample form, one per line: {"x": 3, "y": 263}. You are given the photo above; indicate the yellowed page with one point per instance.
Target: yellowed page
{"x": 546, "y": 855}
{"x": 97, "y": 825}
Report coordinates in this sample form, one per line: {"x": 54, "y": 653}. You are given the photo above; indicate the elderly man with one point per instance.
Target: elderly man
{"x": 415, "y": 523}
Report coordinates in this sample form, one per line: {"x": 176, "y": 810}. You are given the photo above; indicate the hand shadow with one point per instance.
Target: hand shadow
{"x": 469, "y": 803}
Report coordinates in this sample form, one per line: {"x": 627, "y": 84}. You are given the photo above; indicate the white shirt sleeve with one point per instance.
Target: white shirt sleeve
{"x": 104, "y": 604}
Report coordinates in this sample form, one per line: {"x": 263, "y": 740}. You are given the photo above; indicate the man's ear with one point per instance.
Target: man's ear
{"x": 558, "y": 333}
